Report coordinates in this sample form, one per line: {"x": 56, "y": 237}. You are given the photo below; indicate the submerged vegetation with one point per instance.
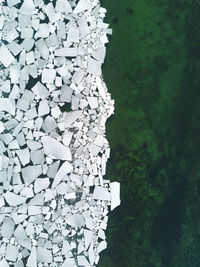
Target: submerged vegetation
{"x": 152, "y": 71}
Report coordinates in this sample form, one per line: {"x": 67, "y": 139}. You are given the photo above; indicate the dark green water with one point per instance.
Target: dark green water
{"x": 152, "y": 70}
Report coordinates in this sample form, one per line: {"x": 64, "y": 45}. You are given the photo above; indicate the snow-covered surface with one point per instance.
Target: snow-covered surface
{"x": 54, "y": 202}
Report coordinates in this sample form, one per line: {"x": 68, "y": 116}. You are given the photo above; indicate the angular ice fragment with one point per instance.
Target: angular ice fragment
{"x": 100, "y": 54}
{"x": 101, "y": 193}
{"x": 71, "y": 117}
{"x": 24, "y": 156}
{"x": 32, "y": 259}
{"x": 94, "y": 149}
{"x": 8, "y": 105}
{"x": 82, "y": 6}
{"x": 37, "y": 157}
{"x": 83, "y": 26}
{"x": 44, "y": 255}
{"x": 3, "y": 263}
{"x": 7, "y": 228}
{"x": 82, "y": 261}
{"x": 64, "y": 170}
{"x": 94, "y": 67}
{"x": 93, "y": 102}
{"x": 43, "y": 31}
{"x": 30, "y": 173}
{"x": 27, "y": 7}
{"x": 49, "y": 124}
{"x": 6, "y": 58}
{"x": 42, "y": 48}
{"x": 88, "y": 238}
{"x": 78, "y": 76}
{"x": 115, "y": 195}
{"x": 63, "y": 6}
{"x": 13, "y": 199}
{"x": 41, "y": 184}
{"x": 40, "y": 90}
{"x": 73, "y": 35}
{"x": 54, "y": 148}
{"x": 48, "y": 75}
{"x": 66, "y": 94}
{"x": 76, "y": 220}
{"x": 11, "y": 253}
{"x": 66, "y": 52}
{"x": 52, "y": 40}
{"x": 15, "y": 48}
{"x": 43, "y": 108}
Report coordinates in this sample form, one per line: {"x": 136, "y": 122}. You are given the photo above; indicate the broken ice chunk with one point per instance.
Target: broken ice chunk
{"x": 50, "y": 11}
{"x": 34, "y": 145}
{"x": 32, "y": 259}
{"x": 115, "y": 195}
{"x": 44, "y": 255}
{"x": 61, "y": 31}
{"x": 6, "y": 58}
{"x": 73, "y": 35}
{"x": 72, "y": 117}
{"x": 42, "y": 48}
{"x": 82, "y": 6}
{"x": 11, "y": 253}
{"x": 67, "y": 138}
{"x": 49, "y": 124}
{"x": 3, "y": 263}
{"x": 78, "y": 76}
{"x": 24, "y": 156}
{"x": 100, "y": 54}
{"x": 88, "y": 238}
{"x": 48, "y": 75}
{"x": 7, "y": 228}
{"x": 94, "y": 149}
{"x": 27, "y": 7}
{"x": 64, "y": 170}
{"x": 30, "y": 58}
{"x": 5, "y": 87}
{"x": 37, "y": 157}
{"x": 63, "y": 6}
{"x": 15, "y": 48}
{"x": 54, "y": 148}
{"x": 82, "y": 261}
{"x": 53, "y": 169}
{"x": 66, "y": 52}
{"x": 66, "y": 93}
{"x": 15, "y": 73}
{"x": 43, "y": 108}
{"x": 14, "y": 199}
{"x": 40, "y": 90}
{"x": 93, "y": 102}
{"x": 76, "y": 220}
{"x": 83, "y": 26}
{"x": 41, "y": 184}
{"x": 101, "y": 193}
{"x": 8, "y": 105}
{"x": 30, "y": 173}
{"x": 43, "y": 31}
{"x": 52, "y": 40}
{"x": 94, "y": 67}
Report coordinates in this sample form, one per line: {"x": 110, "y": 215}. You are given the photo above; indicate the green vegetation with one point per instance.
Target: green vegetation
{"x": 152, "y": 71}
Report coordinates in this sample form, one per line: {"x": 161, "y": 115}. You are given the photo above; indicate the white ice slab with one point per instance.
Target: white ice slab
{"x": 54, "y": 148}
{"x": 115, "y": 195}
{"x": 101, "y": 193}
{"x": 14, "y": 199}
{"x": 6, "y": 58}
{"x": 62, "y": 172}
{"x": 76, "y": 220}
{"x": 66, "y": 52}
